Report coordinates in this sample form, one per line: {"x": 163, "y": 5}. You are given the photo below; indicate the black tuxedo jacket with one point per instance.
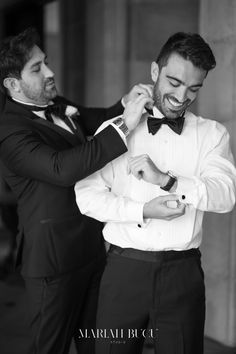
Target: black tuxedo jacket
{"x": 41, "y": 163}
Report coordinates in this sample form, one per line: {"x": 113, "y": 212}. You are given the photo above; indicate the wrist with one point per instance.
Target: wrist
{"x": 164, "y": 179}
{"x": 120, "y": 123}
{"x": 129, "y": 123}
{"x": 171, "y": 183}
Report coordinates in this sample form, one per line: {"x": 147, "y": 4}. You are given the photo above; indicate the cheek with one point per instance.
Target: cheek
{"x": 34, "y": 82}
{"x": 192, "y": 96}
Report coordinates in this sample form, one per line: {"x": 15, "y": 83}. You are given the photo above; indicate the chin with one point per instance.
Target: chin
{"x": 172, "y": 115}
{"x": 51, "y": 94}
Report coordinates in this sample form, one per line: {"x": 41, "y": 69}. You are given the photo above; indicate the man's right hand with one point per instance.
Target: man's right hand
{"x": 134, "y": 110}
{"x": 166, "y": 207}
{"x": 137, "y": 90}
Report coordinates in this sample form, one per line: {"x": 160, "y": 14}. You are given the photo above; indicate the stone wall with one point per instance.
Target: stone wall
{"x": 218, "y": 101}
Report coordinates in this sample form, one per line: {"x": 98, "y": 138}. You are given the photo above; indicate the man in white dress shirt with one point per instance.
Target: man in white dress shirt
{"x": 153, "y": 271}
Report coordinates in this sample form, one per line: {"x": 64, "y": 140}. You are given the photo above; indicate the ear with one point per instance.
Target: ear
{"x": 154, "y": 71}
{"x": 11, "y": 84}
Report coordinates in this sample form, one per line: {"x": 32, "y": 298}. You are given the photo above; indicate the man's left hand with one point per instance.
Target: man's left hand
{"x": 143, "y": 167}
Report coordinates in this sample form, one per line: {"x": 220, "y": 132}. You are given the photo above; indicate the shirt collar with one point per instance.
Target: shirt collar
{"x": 157, "y": 113}
{"x": 30, "y": 104}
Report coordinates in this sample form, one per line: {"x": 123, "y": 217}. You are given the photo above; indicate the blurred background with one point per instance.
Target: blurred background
{"x": 98, "y": 50}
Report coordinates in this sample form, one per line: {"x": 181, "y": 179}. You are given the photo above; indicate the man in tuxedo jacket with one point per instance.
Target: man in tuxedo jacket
{"x": 44, "y": 151}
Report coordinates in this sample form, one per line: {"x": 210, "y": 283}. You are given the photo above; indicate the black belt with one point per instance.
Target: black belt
{"x": 154, "y": 256}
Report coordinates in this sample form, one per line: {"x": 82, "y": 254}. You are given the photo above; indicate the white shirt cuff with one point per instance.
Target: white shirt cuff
{"x": 188, "y": 190}
{"x": 123, "y": 102}
{"x": 119, "y": 131}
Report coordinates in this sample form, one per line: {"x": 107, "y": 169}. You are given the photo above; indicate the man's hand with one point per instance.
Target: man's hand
{"x": 166, "y": 207}
{"x": 134, "y": 110}
{"x": 140, "y": 89}
{"x": 143, "y": 167}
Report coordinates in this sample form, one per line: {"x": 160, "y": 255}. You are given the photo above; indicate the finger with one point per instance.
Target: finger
{"x": 128, "y": 169}
{"x": 141, "y": 97}
{"x": 181, "y": 207}
{"x": 173, "y": 204}
{"x": 137, "y": 166}
{"x": 136, "y": 170}
{"x": 142, "y": 100}
{"x": 137, "y": 174}
{"x": 169, "y": 197}
{"x": 174, "y": 213}
{"x": 147, "y": 88}
{"x": 134, "y": 159}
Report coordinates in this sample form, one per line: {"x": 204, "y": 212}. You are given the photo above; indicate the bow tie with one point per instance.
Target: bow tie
{"x": 56, "y": 109}
{"x": 176, "y": 124}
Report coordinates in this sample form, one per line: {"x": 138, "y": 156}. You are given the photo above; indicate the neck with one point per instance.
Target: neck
{"x": 29, "y": 103}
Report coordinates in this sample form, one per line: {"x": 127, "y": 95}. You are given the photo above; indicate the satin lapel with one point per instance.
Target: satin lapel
{"x": 16, "y": 111}
{"x": 71, "y": 138}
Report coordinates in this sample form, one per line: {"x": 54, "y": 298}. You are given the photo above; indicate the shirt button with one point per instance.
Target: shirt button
{"x": 183, "y": 197}
{"x": 139, "y": 226}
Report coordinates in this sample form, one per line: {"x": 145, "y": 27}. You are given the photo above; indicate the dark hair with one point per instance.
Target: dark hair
{"x": 190, "y": 46}
{"x": 15, "y": 52}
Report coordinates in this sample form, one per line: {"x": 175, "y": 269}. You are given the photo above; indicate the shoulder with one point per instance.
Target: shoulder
{"x": 15, "y": 124}
{"x": 205, "y": 125}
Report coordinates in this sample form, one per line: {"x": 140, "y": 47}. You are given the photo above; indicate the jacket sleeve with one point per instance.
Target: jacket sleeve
{"x": 92, "y": 118}
{"x": 24, "y": 153}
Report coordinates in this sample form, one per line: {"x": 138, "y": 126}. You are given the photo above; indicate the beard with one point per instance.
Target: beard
{"x": 42, "y": 95}
{"x": 159, "y": 102}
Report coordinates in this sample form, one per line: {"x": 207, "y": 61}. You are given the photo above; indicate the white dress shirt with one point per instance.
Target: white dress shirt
{"x": 201, "y": 159}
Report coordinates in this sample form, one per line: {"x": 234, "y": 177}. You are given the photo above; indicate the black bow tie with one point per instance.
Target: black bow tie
{"x": 176, "y": 124}
{"x": 56, "y": 109}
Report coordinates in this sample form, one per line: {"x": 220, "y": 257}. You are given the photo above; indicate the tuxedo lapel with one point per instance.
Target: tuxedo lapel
{"x": 73, "y": 139}
{"x": 16, "y": 111}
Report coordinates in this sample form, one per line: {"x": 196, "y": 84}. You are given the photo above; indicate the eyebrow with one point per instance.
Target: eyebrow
{"x": 181, "y": 82}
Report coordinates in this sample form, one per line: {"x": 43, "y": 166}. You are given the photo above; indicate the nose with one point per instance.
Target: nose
{"x": 181, "y": 94}
{"x": 48, "y": 72}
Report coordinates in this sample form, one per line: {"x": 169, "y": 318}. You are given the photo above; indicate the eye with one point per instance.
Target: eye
{"x": 194, "y": 90}
{"x": 36, "y": 70}
{"x": 174, "y": 83}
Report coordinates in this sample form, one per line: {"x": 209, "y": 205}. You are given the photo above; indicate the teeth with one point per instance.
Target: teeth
{"x": 174, "y": 103}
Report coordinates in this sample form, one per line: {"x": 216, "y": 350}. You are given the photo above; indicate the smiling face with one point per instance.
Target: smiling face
{"x": 36, "y": 84}
{"x": 176, "y": 85}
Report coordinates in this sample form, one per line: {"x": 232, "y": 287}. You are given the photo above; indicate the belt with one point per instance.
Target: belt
{"x": 154, "y": 256}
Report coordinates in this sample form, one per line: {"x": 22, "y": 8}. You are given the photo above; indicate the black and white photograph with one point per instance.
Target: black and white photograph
{"x": 117, "y": 177}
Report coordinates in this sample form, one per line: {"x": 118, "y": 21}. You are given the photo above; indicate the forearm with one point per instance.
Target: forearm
{"x": 92, "y": 118}
{"x": 214, "y": 194}
{"x": 96, "y": 200}
{"x": 25, "y": 154}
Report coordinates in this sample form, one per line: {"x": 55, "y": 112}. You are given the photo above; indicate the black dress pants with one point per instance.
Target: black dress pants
{"x": 59, "y": 307}
{"x": 165, "y": 289}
